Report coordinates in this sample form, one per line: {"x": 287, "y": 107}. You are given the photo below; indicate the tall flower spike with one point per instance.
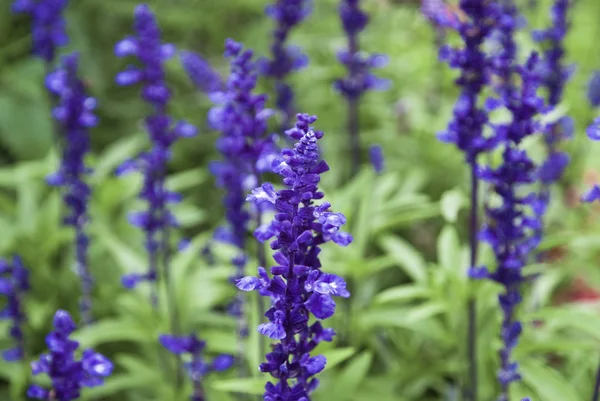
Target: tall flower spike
{"x": 197, "y": 366}
{"x": 297, "y": 286}
{"x": 247, "y": 151}
{"x": 512, "y": 228}
{"x": 555, "y": 74}
{"x": 466, "y": 130}
{"x": 14, "y": 282}
{"x": 74, "y": 115}
{"x": 200, "y": 72}
{"x": 360, "y": 78}
{"x": 284, "y": 58}
{"x": 162, "y": 130}
{"x": 48, "y": 25}
{"x": 68, "y": 373}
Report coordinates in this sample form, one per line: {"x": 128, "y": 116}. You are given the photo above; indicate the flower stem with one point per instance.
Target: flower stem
{"x": 353, "y": 109}
{"x": 472, "y": 302}
{"x": 596, "y": 395}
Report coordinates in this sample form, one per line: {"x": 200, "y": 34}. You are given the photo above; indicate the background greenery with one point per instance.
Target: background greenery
{"x": 401, "y": 336}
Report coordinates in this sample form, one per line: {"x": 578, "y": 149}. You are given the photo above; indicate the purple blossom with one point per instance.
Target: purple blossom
{"x": 67, "y": 373}
{"x": 47, "y": 25}
{"x": 197, "y": 367}
{"x": 440, "y": 14}
{"x": 593, "y": 89}
{"x": 376, "y": 157}
{"x": 466, "y": 128}
{"x": 241, "y": 117}
{"x": 14, "y": 282}
{"x": 512, "y": 228}
{"x": 297, "y": 286}
{"x": 162, "y": 130}
{"x": 285, "y": 59}
{"x": 75, "y": 116}
{"x": 554, "y": 74}
{"x": 200, "y": 72}
{"x": 593, "y": 194}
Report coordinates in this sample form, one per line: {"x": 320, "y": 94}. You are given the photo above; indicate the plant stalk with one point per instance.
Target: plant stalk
{"x": 472, "y": 390}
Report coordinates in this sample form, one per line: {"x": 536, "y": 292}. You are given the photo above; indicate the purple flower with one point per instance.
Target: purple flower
{"x": 440, "y": 14}
{"x": 162, "y": 130}
{"x": 466, "y": 128}
{"x": 47, "y": 25}
{"x": 241, "y": 117}
{"x": 593, "y": 89}
{"x": 284, "y": 58}
{"x": 200, "y": 72}
{"x": 513, "y": 229}
{"x": 298, "y": 287}
{"x": 75, "y": 116}
{"x": 14, "y": 282}
{"x": 197, "y": 367}
{"x": 67, "y": 373}
{"x": 376, "y": 156}
{"x": 554, "y": 74}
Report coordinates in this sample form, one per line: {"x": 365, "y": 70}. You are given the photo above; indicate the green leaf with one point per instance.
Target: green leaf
{"x": 123, "y": 149}
{"x": 336, "y": 356}
{"x": 451, "y": 203}
{"x": 401, "y": 293}
{"x": 407, "y": 257}
{"x": 246, "y": 386}
{"x": 547, "y": 382}
{"x": 352, "y": 375}
{"x": 449, "y": 249}
{"x": 112, "y": 330}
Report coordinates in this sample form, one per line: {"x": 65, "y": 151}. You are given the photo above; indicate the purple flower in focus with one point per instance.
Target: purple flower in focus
{"x": 512, "y": 228}
{"x": 284, "y": 58}
{"x": 14, "y": 282}
{"x": 298, "y": 287}
{"x": 47, "y": 25}
{"x": 75, "y": 116}
{"x": 162, "y": 130}
{"x": 67, "y": 373}
{"x": 196, "y": 367}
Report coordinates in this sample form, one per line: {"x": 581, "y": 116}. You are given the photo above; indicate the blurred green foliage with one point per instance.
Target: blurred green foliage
{"x": 401, "y": 336}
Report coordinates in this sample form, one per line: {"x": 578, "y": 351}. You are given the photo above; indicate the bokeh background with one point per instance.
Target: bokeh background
{"x": 401, "y": 336}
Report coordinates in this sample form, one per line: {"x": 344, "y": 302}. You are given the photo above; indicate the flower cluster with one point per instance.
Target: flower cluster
{"x": 554, "y": 74}
{"x": 68, "y": 374}
{"x": 285, "y": 59}
{"x": 48, "y": 25}
{"x": 163, "y": 132}
{"x": 466, "y": 128}
{"x": 359, "y": 65}
{"x": 197, "y": 367}
{"x": 74, "y": 114}
{"x": 247, "y": 151}
{"x": 298, "y": 287}
{"x": 14, "y": 281}
{"x": 512, "y": 229}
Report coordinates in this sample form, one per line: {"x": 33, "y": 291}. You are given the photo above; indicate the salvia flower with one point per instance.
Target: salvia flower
{"x": 75, "y": 116}
{"x": 593, "y": 89}
{"x": 162, "y": 130}
{"x": 441, "y": 14}
{"x": 284, "y": 58}
{"x": 14, "y": 282}
{"x": 555, "y": 75}
{"x": 593, "y": 132}
{"x": 376, "y": 157}
{"x": 241, "y": 117}
{"x": 68, "y": 373}
{"x": 48, "y": 25}
{"x": 466, "y": 128}
{"x": 197, "y": 367}
{"x": 200, "y": 72}
{"x": 512, "y": 229}
{"x": 297, "y": 285}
